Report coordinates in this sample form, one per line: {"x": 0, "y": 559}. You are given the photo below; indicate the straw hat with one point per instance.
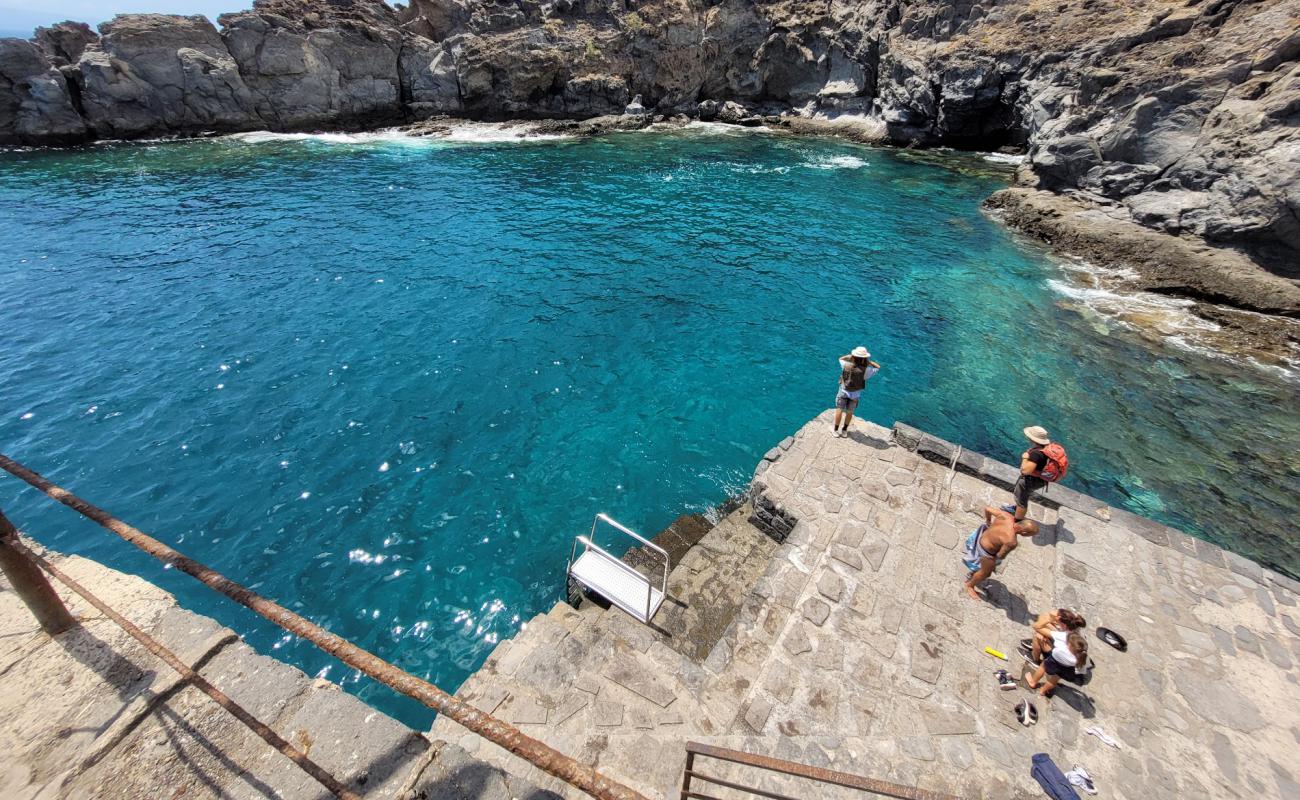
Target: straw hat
{"x": 861, "y": 352}
{"x": 1037, "y": 434}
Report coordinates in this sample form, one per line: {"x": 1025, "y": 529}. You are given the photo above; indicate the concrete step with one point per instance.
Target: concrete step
{"x": 454, "y": 774}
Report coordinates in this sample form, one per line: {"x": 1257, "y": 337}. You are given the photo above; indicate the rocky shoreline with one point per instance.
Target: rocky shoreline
{"x": 1171, "y": 116}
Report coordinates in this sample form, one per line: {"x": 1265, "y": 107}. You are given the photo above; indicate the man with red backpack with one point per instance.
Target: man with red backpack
{"x": 1040, "y": 465}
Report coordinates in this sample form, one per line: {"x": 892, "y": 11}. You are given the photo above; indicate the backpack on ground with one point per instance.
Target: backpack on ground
{"x": 1050, "y": 777}
{"x": 1058, "y": 463}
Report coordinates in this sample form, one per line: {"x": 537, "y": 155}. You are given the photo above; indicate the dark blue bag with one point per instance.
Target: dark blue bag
{"x": 1050, "y": 777}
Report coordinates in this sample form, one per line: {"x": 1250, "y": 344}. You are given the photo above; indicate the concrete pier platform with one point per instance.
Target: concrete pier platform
{"x": 851, "y": 644}
{"x": 822, "y": 621}
{"x": 91, "y": 714}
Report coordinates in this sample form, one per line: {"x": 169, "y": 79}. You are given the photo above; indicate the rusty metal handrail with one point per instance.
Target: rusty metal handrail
{"x": 502, "y": 734}
{"x": 819, "y": 774}
{"x": 195, "y": 679}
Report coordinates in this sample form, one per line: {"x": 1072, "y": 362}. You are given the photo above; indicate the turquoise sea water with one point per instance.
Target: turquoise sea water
{"x": 386, "y": 381}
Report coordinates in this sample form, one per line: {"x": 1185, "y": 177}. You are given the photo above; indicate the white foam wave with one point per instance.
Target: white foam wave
{"x": 462, "y": 132}
{"x": 371, "y": 137}
{"x": 1003, "y": 158}
{"x": 496, "y": 132}
{"x": 1103, "y": 296}
{"x": 754, "y": 169}
{"x": 718, "y": 128}
{"x": 837, "y": 162}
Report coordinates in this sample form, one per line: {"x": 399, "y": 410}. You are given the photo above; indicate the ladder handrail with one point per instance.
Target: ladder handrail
{"x": 663, "y": 581}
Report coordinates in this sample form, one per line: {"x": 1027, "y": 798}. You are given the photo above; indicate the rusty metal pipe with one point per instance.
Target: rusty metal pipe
{"x": 199, "y": 682}
{"x": 30, "y": 585}
{"x": 819, "y": 774}
{"x": 537, "y": 753}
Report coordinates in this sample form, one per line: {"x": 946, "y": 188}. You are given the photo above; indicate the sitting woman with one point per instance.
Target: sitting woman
{"x": 1067, "y": 659}
{"x": 1062, "y": 619}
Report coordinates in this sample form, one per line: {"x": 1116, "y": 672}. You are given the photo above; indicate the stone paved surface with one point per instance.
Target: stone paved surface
{"x": 853, "y": 647}
{"x": 91, "y": 714}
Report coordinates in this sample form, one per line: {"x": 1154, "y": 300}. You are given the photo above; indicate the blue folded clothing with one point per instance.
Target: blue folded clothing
{"x": 1050, "y": 777}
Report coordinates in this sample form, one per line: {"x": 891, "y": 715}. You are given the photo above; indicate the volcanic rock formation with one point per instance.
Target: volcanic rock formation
{"x": 1181, "y": 115}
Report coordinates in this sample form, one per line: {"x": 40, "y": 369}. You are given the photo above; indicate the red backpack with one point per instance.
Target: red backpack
{"x": 1058, "y": 463}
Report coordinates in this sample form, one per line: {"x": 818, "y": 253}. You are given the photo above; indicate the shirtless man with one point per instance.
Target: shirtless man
{"x": 991, "y": 543}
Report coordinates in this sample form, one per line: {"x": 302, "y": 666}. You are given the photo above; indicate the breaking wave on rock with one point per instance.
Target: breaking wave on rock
{"x": 460, "y": 132}
{"x": 1101, "y": 296}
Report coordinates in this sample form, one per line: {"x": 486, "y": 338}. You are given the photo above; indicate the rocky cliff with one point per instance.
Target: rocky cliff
{"x": 1180, "y": 115}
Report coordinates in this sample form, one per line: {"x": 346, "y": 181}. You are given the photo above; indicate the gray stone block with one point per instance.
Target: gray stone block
{"x": 454, "y": 774}
{"x": 367, "y": 750}
{"x": 757, "y": 713}
{"x": 796, "y": 641}
{"x": 1245, "y": 567}
{"x": 816, "y": 611}
{"x": 1003, "y": 476}
{"x": 1217, "y": 702}
{"x": 941, "y": 721}
{"x": 831, "y": 587}
{"x": 608, "y": 714}
{"x": 527, "y": 711}
{"x": 1287, "y": 584}
{"x": 874, "y": 550}
{"x": 1209, "y": 553}
{"x": 636, "y": 678}
{"x": 906, "y": 436}
{"x": 847, "y": 556}
{"x": 932, "y": 448}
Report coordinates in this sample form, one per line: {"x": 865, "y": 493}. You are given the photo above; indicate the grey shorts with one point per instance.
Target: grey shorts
{"x": 845, "y": 403}
{"x": 1027, "y": 485}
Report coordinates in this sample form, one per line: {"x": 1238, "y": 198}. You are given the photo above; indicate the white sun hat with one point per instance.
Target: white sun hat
{"x": 1037, "y": 434}
{"x": 861, "y": 352}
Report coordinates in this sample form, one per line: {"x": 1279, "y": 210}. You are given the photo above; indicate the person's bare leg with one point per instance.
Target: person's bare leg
{"x": 848, "y": 420}
{"x": 1049, "y": 685}
{"x": 1039, "y": 645}
{"x": 1032, "y": 680}
{"x": 985, "y": 570}
{"x": 839, "y": 413}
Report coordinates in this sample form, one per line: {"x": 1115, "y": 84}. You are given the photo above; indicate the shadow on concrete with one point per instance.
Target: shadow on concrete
{"x": 1012, "y": 604}
{"x": 127, "y": 680}
{"x": 179, "y": 727}
{"x": 132, "y": 683}
{"x": 1075, "y": 699}
{"x": 862, "y": 438}
{"x": 472, "y": 781}
{"x": 1061, "y": 534}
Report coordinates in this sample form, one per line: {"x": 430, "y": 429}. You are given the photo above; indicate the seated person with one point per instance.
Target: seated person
{"x": 1068, "y": 659}
{"x": 1049, "y": 622}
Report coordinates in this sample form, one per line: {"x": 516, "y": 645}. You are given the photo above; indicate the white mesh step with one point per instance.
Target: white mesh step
{"x": 618, "y": 583}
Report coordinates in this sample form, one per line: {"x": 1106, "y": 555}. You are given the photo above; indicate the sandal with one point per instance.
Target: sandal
{"x": 1026, "y": 713}
{"x": 1113, "y": 639}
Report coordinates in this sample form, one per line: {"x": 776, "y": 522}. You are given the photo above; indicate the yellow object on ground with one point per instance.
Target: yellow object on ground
{"x": 995, "y": 653}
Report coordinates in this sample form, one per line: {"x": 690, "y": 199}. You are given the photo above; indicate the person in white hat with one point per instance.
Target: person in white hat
{"x": 1040, "y": 465}
{"x": 855, "y": 369}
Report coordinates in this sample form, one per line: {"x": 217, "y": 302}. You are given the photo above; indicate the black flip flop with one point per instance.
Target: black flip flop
{"x": 1026, "y": 713}
{"x": 1113, "y": 639}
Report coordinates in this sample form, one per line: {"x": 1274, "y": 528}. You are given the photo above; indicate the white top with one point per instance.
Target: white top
{"x": 1061, "y": 650}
